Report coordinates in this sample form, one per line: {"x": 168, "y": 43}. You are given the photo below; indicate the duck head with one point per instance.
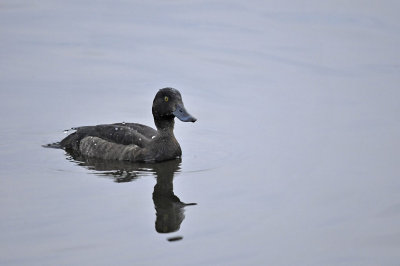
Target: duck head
{"x": 168, "y": 104}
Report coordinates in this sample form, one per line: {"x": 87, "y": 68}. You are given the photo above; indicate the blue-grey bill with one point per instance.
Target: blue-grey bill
{"x": 183, "y": 115}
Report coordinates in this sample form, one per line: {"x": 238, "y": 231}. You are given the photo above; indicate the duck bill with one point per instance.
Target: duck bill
{"x": 183, "y": 115}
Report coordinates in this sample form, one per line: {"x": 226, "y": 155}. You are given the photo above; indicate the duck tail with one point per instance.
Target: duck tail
{"x": 55, "y": 145}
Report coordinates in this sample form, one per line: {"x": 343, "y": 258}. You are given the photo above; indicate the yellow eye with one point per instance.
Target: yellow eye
{"x": 166, "y": 98}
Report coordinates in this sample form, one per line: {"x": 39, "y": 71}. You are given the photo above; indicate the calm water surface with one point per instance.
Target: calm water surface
{"x": 294, "y": 159}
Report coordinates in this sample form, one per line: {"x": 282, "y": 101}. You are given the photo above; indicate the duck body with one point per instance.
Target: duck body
{"x": 131, "y": 141}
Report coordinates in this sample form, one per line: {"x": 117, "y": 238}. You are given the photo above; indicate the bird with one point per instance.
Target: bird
{"x": 132, "y": 141}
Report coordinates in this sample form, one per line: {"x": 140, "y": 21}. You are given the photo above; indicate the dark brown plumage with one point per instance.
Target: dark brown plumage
{"x": 131, "y": 141}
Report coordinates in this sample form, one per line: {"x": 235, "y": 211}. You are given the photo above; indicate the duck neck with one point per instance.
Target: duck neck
{"x": 165, "y": 125}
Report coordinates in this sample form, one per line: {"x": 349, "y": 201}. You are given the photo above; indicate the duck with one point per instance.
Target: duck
{"x": 132, "y": 141}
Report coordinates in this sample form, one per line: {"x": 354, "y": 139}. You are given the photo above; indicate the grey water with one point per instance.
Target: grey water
{"x": 294, "y": 159}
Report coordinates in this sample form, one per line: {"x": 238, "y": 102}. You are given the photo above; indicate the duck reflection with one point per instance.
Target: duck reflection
{"x": 169, "y": 208}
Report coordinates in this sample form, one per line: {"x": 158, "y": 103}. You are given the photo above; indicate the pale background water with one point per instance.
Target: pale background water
{"x": 294, "y": 159}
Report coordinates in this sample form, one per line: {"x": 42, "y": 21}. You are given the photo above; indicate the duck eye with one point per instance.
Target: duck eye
{"x": 166, "y": 98}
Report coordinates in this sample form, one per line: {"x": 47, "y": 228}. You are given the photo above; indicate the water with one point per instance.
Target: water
{"x": 294, "y": 159}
